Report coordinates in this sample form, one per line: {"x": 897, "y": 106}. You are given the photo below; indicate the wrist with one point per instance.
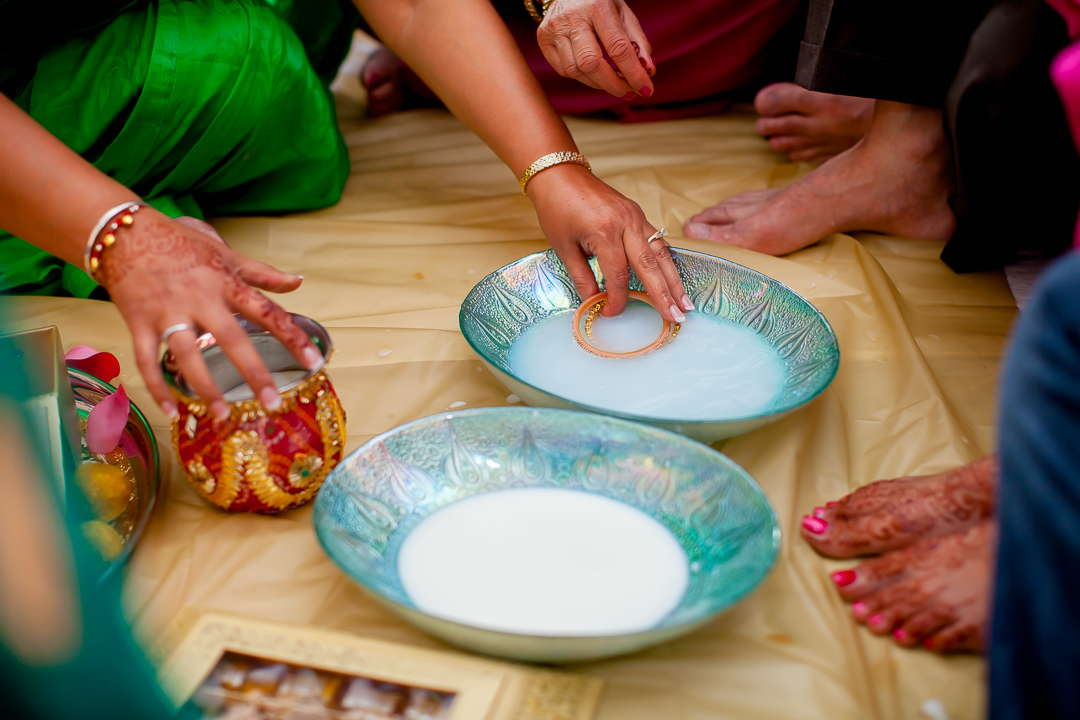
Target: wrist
{"x": 116, "y": 223}
{"x": 553, "y": 159}
{"x": 556, "y": 177}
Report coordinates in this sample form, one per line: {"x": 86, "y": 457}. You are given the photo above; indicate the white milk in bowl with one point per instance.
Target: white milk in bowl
{"x": 715, "y": 369}
{"x": 544, "y": 561}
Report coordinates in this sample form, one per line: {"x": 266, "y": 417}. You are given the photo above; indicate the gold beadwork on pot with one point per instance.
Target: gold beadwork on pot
{"x": 258, "y": 460}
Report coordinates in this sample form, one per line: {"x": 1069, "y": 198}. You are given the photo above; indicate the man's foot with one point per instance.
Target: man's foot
{"x": 810, "y": 126}
{"x": 891, "y": 514}
{"x": 894, "y": 181}
{"x": 382, "y": 80}
{"x": 935, "y": 593}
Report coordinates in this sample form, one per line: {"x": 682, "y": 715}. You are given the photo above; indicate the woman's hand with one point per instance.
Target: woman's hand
{"x": 582, "y": 217}
{"x": 575, "y": 34}
{"x": 162, "y": 272}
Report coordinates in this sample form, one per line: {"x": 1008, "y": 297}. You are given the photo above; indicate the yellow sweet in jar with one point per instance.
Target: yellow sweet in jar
{"x": 106, "y": 487}
{"x": 104, "y": 539}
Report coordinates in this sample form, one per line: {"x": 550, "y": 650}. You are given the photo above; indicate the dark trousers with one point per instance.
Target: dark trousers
{"x": 986, "y": 64}
{"x": 1035, "y": 638}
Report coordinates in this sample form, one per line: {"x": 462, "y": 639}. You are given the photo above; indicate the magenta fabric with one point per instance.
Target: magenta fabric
{"x": 1070, "y": 11}
{"x": 703, "y": 50}
{"x": 1065, "y": 74}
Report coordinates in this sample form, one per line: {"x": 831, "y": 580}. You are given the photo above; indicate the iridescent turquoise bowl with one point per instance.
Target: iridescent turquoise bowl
{"x": 505, "y": 303}
{"x": 376, "y": 496}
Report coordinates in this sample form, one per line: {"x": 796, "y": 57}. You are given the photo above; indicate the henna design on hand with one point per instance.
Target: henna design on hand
{"x": 160, "y": 250}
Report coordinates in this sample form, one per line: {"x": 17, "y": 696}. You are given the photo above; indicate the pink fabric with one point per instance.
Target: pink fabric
{"x": 703, "y": 50}
{"x": 1065, "y": 74}
{"x": 1070, "y": 10}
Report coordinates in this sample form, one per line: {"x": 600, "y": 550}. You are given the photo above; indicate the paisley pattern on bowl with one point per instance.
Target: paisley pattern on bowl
{"x": 505, "y": 303}
{"x": 379, "y": 493}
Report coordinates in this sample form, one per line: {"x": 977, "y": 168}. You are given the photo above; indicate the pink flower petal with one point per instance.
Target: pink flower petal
{"x": 101, "y": 365}
{"x": 80, "y": 352}
{"x": 107, "y": 421}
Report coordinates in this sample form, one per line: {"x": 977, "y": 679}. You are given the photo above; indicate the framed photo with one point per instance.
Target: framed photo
{"x": 235, "y": 668}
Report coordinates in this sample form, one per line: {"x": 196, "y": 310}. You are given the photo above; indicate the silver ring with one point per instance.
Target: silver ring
{"x": 658, "y": 235}
{"x": 172, "y": 330}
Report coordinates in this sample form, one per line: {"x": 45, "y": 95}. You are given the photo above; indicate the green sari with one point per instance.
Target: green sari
{"x": 106, "y": 676}
{"x": 202, "y": 107}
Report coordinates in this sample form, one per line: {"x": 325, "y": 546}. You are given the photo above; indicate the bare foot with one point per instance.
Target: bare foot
{"x": 810, "y": 126}
{"x": 935, "y": 592}
{"x": 894, "y": 181}
{"x": 381, "y": 79}
{"x": 891, "y": 514}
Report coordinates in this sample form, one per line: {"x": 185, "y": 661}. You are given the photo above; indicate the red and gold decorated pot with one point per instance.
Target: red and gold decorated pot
{"x": 257, "y": 460}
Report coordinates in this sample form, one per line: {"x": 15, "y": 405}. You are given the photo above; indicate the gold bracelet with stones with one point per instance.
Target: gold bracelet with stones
{"x": 551, "y": 160}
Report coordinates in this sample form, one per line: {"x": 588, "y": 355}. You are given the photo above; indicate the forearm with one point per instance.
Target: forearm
{"x": 49, "y": 195}
{"x": 464, "y": 52}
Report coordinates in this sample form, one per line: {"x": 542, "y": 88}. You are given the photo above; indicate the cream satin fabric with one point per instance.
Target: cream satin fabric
{"x": 427, "y": 213}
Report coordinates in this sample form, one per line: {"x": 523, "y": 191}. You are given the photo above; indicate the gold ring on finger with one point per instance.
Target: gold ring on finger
{"x": 658, "y": 235}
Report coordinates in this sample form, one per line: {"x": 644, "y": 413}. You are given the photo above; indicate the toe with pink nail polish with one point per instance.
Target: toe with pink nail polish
{"x": 814, "y": 525}
{"x": 843, "y": 578}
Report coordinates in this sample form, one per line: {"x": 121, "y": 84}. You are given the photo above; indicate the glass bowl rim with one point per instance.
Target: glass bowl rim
{"x": 648, "y": 418}
{"x": 155, "y": 484}
{"x": 765, "y": 570}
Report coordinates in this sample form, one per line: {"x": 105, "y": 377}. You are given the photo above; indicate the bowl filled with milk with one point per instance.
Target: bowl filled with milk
{"x": 546, "y": 535}
{"x": 753, "y": 350}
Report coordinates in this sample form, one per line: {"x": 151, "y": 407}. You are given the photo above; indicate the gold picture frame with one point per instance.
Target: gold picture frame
{"x": 191, "y": 655}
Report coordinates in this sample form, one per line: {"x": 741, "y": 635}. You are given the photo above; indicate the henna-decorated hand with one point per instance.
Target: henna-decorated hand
{"x": 575, "y": 35}
{"x": 583, "y": 217}
{"x": 163, "y": 272}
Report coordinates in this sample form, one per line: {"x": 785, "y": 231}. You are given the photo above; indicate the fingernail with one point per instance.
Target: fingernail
{"x": 697, "y": 230}
{"x": 644, "y": 92}
{"x": 831, "y": 503}
{"x": 270, "y": 398}
{"x": 877, "y": 620}
{"x": 843, "y": 578}
{"x": 219, "y": 409}
{"x": 814, "y": 525}
{"x": 301, "y": 277}
{"x": 901, "y": 635}
{"x": 675, "y": 313}
{"x": 628, "y": 96}
{"x": 686, "y": 304}
{"x": 859, "y": 607}
{"x": 928, "y": 643}
{"x": 819, "y": 512}
{"x": 312, "y": 358}
{"x": 170, "y": 410}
